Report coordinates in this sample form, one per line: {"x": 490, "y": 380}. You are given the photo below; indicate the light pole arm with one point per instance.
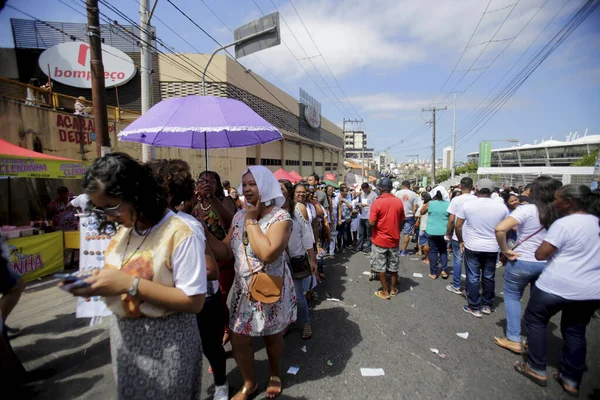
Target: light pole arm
{"x": 254, "y": 35}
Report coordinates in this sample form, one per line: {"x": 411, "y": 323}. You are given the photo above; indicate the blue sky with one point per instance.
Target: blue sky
{"x": 392, "y": 57}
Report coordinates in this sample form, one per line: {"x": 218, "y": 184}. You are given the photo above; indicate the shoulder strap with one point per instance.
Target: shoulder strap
{"x": 246, "y": 247}
{"x": 527, "y": 238}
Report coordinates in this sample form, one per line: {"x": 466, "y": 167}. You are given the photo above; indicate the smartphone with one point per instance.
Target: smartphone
{"x": 72, "y": 281}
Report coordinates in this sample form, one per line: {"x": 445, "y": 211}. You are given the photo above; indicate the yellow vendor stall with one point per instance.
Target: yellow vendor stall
{"x": 36, "y": 255}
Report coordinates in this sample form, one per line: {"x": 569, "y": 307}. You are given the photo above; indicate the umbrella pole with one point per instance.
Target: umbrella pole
{"x": 205, "y": 152}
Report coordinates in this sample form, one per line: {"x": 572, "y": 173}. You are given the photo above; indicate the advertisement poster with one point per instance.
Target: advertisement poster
{"x": 36, "y": 256}
{"x": 91, "y": 256}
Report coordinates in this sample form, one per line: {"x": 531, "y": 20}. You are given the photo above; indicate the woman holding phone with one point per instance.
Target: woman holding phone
{"x": 154, "y": 281}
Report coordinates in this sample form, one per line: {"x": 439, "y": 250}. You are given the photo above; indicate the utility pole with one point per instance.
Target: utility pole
{"x": 454, "y": 139}
{"x": 148, "y": 152}
{"x": 433, "y": 110}
{"x": 98, "y": 88}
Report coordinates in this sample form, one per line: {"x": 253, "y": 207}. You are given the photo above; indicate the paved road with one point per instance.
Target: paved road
{"x": 70, "y": 360}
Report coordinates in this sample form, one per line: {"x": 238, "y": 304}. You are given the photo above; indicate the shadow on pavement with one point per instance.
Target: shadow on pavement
{"x": 41, "y": 347}
{"x": 61, "y": 323}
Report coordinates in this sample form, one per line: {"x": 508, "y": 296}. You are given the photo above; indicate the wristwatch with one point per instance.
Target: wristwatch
{"x": 134, "y": 287}
{"x": 251, "y": 222}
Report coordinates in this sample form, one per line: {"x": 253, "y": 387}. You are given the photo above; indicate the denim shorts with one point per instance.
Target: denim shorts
{"x": 409, "y": 224}
{"x": 384, "y": 259}
{"x": 423, "y": 238}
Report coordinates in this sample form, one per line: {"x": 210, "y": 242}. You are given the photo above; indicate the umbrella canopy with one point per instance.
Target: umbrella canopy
{"x": 282, "y": 174}
{"x": 330, "y": 183}
{"x": 201, "y": 122}
{"x": 18, "y": 162}
{"x": 297, "y": 177}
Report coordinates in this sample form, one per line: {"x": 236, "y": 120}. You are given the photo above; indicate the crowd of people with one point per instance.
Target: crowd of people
{"x": 196, "y": 264}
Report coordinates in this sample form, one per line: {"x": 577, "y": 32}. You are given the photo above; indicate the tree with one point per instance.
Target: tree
{"x": 468, "y": 168}
{"x": 587, "y": 161}
{"x": 443, "y": 175}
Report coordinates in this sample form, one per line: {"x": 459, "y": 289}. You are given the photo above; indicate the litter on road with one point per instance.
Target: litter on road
{"x": 293, "y": 370}
{"x": 436, "y": 351}
{"x": 303, "y": 348}
{"x": 372, "y": 372}
{"x": 463, "y": 335}
{"x": 367, "y": 273}
{"x": 333, "y": 299}
{"x": 417, "y": 275}
{"x": 329, "y": 363}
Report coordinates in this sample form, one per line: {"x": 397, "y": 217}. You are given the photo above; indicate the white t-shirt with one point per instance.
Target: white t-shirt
{"x": 424, "y": 217}
{"x": 366, "y": 200}
{"x": 456, "y": 205}
{"x": 188, "y": 260}
{"x": 529, "y": 223}
{"x": 573, "y": 271}
{"x": 302, "y": 237}
{"x": 199, "y": 230}
{"x": 409, "y": 199}
{"x": 481, "y": 217}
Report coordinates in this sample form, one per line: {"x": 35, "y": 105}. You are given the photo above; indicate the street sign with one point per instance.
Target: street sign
{"x": 485, "y": 154}
{"x": 271, "y": 38}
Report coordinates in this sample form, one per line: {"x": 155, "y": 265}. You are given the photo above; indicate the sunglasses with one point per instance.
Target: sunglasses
{"x": 108, "y": 211}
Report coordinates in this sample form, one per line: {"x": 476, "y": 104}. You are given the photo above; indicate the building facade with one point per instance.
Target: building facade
{"x": 447, "y": 157}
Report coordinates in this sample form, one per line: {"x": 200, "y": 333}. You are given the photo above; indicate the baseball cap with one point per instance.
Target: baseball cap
{"x": 486, "y": 184}
{"x": 385, "y": 183}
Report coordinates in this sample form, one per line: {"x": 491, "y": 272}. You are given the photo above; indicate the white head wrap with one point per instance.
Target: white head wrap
{"x": 441, "y": 189}
{"x": 396, "y": 185}
{"x": 269, "y": 189}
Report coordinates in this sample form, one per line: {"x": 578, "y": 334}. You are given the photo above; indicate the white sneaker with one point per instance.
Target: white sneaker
{"x": 221, "y": 392}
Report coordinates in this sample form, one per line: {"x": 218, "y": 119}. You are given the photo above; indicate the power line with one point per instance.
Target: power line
{"x": 323, "y": 58}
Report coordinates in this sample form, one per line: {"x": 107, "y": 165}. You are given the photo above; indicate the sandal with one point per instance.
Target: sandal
{"x": 379, "y": 294}
{"x": 522, "y": 369}
{"x": 248, "y": 393}
{"x": 394, "y": 293}
{"x": 444, "y": 275}
{"x": 434, "y": 277}
{"x": 571, "y": 391}
{"x": 307, "y": 332}
{"x": 274, "y": 388}
{"x": 508, "y": 345}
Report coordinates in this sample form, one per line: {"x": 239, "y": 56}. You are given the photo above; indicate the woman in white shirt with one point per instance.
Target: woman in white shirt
{"x": 300, "y": 250}
{"x": 570, "y": 283}
{"x": 522, "y": 268}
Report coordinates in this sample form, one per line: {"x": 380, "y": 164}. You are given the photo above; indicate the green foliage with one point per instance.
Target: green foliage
{"x": 443, "y": 175}
{"x": 587, "y": 161}
{"x": 468, "y": 168}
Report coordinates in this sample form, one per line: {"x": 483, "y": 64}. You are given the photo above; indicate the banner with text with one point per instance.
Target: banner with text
{"x": 21, "y": 167}
{"x": 485, "y": 154}
{"x": 36, "y": 256}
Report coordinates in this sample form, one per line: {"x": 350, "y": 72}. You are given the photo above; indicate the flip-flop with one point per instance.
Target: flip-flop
{"x": 432, "y": 277}
{"x": 564, "y": 386}
{"x": 306, "y": 332}
{"x": 394, "y": 294}
{"x": 522, "y": 369}
{"x": 274, "y": 382}
{"x": 444, "y": 275}
{"x": 379, "y": 294}
{"x": 502, "y": 342}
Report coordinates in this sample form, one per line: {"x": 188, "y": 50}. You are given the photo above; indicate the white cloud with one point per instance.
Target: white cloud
{"x": 354, "y": 35}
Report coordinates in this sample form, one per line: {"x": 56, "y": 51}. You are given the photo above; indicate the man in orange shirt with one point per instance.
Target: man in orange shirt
{"x": 386, "y": 219}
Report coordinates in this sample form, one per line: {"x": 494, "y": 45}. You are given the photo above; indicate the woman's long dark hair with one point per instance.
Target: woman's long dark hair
{"x": 119, "y": 175}
{"x": 542, "y": 195}
{"x": 219, "y": 191}
{"x": 291, "y": 189}
{"x": 582, "y": 197}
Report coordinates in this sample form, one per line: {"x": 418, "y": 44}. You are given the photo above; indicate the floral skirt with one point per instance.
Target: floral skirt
{"x": 157, "y": 358}
{"x": 252, "y": 318}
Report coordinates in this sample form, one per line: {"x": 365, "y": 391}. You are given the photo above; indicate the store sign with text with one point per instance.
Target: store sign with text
{"x": 75, "y": 129}
{"x": 69, "y": 63}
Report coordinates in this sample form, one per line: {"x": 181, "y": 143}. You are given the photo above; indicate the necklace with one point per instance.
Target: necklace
{"x": 123, "y": 261}
{"x": 202, "y": 206}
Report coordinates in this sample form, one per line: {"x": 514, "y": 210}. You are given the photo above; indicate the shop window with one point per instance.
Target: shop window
{"x": 307, "y": 163}
{"x": 292, "y": 162}
{"x": 318, "y": 164}
{"x": 250, "y": 161}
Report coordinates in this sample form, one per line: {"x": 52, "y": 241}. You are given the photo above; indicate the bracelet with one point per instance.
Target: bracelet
{"x": 251, "y": 222}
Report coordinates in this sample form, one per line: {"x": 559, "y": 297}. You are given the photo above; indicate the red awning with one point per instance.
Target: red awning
{"x": 9, "y": 149}
{"x": 282, "y": 174}
{"x": 297, "y": 177}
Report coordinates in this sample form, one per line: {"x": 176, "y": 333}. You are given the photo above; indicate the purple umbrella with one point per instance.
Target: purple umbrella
{"x": 200, "y": 122}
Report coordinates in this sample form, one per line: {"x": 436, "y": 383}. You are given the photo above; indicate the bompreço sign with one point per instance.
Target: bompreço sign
{"x": 69, "y": 63}
{"x": 312, "y": 116}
